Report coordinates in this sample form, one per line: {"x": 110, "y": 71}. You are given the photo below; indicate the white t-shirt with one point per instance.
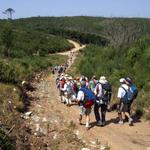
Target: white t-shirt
{"x": 121, "y": 91}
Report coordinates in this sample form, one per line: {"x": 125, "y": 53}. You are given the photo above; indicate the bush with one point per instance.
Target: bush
{"x": 114, "y": 64}
{"x": 16, "y": 70}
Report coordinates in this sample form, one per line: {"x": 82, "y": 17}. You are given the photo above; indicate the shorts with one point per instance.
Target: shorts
{"x": 84, "y": 111}
{"x": 123, "y": 107}
{"x": 89, "y": 103}
{"x": 126, "y": 107}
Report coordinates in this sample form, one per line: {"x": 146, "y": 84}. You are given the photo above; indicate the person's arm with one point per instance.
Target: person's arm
{"x": 96, "y": 90}
{"x": 119, "y": 96}
{"x": 80, "y": 97}
{"x": 110, "y": 94}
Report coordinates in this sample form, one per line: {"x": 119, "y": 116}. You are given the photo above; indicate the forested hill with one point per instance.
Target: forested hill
{"x": 118, "y": 31}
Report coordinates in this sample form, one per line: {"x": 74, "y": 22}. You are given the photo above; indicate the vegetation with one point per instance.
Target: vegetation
{"x": 9, "y": 104}
{"x": 115, "y": 63}
{"x": 117, "y": 31}
{"x": 24, "y": 52}
{"x": 117, "y": 47}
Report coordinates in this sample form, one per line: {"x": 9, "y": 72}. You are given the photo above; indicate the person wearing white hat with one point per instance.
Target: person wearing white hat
{"x": 103, "y": 96}
{"x": 103, "y": 80}
{"x": 120, "y": 95}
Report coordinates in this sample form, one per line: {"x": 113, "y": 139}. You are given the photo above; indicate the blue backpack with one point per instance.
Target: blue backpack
{"x": 130, "y": 94}
{"x": 88, "y": 94}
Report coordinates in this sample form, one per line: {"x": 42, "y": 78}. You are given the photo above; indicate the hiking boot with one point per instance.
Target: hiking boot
{"x": 120, "y": 122}
{"x": 130, "y": 122}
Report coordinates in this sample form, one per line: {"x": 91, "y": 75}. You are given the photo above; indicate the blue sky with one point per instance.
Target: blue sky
{"x": 106, "y": 8}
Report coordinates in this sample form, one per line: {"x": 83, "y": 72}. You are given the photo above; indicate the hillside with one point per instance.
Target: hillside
{"x": 116, "y": 47}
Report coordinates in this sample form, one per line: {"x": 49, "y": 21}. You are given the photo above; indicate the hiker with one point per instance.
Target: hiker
{"x": 102, "y": 92}
{"x": 92, "y": 83}
{"x": 121, "y": 93}
{"x": 66, "y": 90}
{"x": 85, "y": 99}
{"x": 127, "y": 93}
{"x": 62, "y": 88}
{"x": 70, "y": 93}
{"x": 123, "y": 106}
{"x": 84, "y": 78}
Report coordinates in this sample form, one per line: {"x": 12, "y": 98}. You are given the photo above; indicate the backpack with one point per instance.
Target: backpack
{"x": 130, "y": 94}
{"x": 106, "y": 92}
{"x": 69, "y": 88}
{"x": 89, "y": 97}
{"x": 62, "y": 83}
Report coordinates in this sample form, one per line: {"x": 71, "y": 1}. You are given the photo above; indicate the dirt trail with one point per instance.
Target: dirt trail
{"x": 73, "y": 52}
{"x": 50, "y": 117}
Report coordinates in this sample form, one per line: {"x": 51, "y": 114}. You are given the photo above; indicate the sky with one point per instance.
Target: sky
{"x": 105, "y": 8}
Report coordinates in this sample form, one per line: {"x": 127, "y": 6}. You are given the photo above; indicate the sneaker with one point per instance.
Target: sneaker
{"x": 130, "y": 122}
{"x": 103, "y": 124}
{"x": 120, "y": 122}
{"x": 88, "y": 127}
{"x": 99, "y": 123}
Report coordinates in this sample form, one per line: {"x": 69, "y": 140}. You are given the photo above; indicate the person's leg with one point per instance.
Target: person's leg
{"x": 103, "y": 113}
{"x": 87, "y": 121}
{"x": 127, "y": 113}
{"x": 82, "y": 112}
{"x": 69, "y": 99}
{"x": 87, "y": 113}
{"x": 120, "y": 113}
{"x": 80, "y": 119}
{"x": 96, "y": 112}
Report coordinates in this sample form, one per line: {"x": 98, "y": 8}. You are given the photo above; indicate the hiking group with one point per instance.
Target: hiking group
{"x": 96, "y": 94}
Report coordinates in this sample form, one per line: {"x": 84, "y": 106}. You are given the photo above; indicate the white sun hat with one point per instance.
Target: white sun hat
{"x": 103, "y": 80}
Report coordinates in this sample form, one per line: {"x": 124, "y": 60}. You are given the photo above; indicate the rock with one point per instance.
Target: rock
{"x": 14, "y": 89}
{"x": 77, "y": 132}
{"x": 43, "y": 131}
{"x": 83, "y": 141}
{"x": 28, "y": 113}
{"x": 39, "y": 105}
{"x": 37, "y": 127}
{"x": 24, "y": 117}
{"x": 85, "y": 149}
{"x": 56, "y": 121}
{"x": 93, "y": 142}
{"x": 44, "y": 120}
{"x": 35, "y": 118}
{"x": 104, "y": 146}
{"x": 55, "y": 136}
